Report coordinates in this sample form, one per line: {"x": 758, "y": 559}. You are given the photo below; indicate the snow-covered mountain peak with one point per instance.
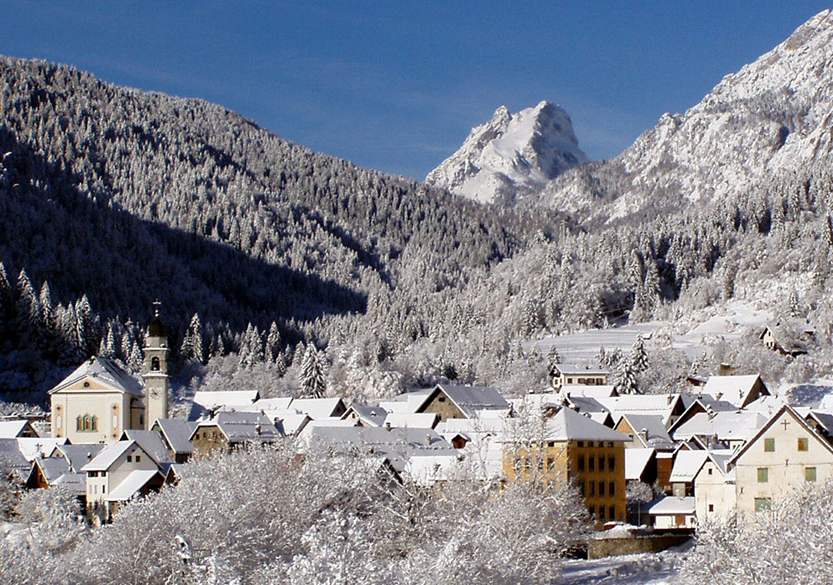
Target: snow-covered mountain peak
{"x": 511, "y": 154}
{"x": 772, "y": 116}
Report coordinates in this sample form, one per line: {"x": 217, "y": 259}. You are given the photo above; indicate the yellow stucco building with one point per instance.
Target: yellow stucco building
{"x": 573, "y": 448}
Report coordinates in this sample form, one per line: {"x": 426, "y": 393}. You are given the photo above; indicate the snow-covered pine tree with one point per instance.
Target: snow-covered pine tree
{"x": 639, "y": 357}
{"x": 136, "y": 359}
{"x": 625, "y": 378}
{"x": 273, "y": 343}
{"x": 312, "y": 375}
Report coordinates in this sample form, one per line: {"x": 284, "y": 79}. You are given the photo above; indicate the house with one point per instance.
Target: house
{"x": 699, "y": 403}
{"x": 645, "y": 431}
{"x": 16, "y": 428}
{"x": 364, "y": 415}
{"x": 714, "y": 486}
{"x": 416, "y": 420}
{"x": 573, "y": 448}
{"x": 318, "y": 408}
{"x": 787, "y": 339}
{"x": 739, "y": 390}
{"x": 784, "y": 454}
{"x": 673, "y": 513}
{"x": 154, "y": 445}
{"x": 667, "y": 406}
{"x": 99, "y": 400}
{"x": 571, "y": 374}
{"x": 730, "y": 428}
{"x": 206, "y": 403}
{"x": 640, "y": 465}
{"x": 687, "y": 464}
{"x": 120, "y": 472}
{"x": 176, "y": 434}
{"x": 596, "y": 391}
{"x": 454, "y": 401}
{"x": 228, "y": 430}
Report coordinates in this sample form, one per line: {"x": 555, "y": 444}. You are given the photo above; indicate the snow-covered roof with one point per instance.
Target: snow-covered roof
{"x": 654, "y": 426}
{"x": 374, "y": 436}
{"x": 75, "y": 482}
{"x": 601, "y": 391}
{"x": 824, "y": 419}
{"x": 79, "y": 455}
{"x": 673, "y": 505}
{"x": 469, "y": 399}
{"x": 568, "y": 425}
{"x": 105, "y": 371}
{"x": 416, "y": 420}
{"x": 52, "y": 468}
{"x": 367, "y": 414}
{"x": 109, "y": 455}
{"x": 131, "y": 485}
{"x": 735, "y": 389}
{"x": 738, "y": 425}
{"x": 581, "y": 370}
{"x": 276, "y": 403}
{"x": 225, "y": 399}
{"x": 636, "y": 460}
{"x": 177, "y": 433}
{"x": 659, "y": 404}
{"x": 151, "y": 443}
{"x": 426, "y": 468}
{"x": 12, "y": 429}
{"x": 11, "y": 457}
{"x": 243, "y": 426}
{"x": 290, "y": 423}
{"x": 317, "y": 408}
{"x": 34, "y": 447}
{"x": 687, "y": 464}
{"x": 471, "y": 426}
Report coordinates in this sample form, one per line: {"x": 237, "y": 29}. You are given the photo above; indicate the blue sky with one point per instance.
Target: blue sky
{"x": 397, "y": 85}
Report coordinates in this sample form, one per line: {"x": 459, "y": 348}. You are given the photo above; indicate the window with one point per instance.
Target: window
{"x": 591, "y": 509}
{"x": 601, "y": 463}
{"x": 580, "y": 462}
{"x": 803, "y": 444}
{"x": 86, "y": 423}
{"x": 711, "y": 507}
{"x": 809, "y": 474}
{"x": 155, "y": 367}
{"x": 137, "y": 459}
{"x": 611, "y": 463}
{"x": 579, "y": 443}
{"x": 591, "y": 463}
{"x": 592, "y": 485}
{"x": 763, "y": 504}
{"x": 601, "y": 488}
{"x": 769, "y": 445}
{"x": 763, "y": 474}
{"x": 710, "y": 470}
{"x": 581, "y": 488}
{"x": 129, "y": 458}
{"x": 611, "y": 513}
{"x": 550, "y": 463}
{"x": 611, "y": 488}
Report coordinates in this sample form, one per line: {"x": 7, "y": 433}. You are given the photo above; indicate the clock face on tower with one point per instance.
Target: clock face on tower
{"x": 154, "y": 392}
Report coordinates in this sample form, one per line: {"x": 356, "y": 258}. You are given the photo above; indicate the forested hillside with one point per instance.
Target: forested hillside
{"x": 123, "y": 197}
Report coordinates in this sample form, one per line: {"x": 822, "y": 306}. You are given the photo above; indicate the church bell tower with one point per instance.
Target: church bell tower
{"x": 155, "y": 370}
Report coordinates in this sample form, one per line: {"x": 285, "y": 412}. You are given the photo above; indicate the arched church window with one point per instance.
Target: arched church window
{"x": 79, "y": 423}
{"x": 154, "y": 364}
{"x": 94, "y": 423}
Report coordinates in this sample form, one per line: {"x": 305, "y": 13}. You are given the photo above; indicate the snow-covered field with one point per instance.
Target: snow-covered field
{"x": 641, "y": 569}
{"x": 691, "y": 335}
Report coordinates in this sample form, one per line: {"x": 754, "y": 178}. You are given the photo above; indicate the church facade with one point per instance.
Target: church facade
{"x": 100, "y": 400}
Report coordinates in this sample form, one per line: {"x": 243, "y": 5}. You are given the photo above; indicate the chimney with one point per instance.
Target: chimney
{"x": 669, "y": 399}
{"x": 428, "y": 439}
{"x": 387, "y": 425}
{"x": 257, "y": 429}
{"x": 644, "y": 434}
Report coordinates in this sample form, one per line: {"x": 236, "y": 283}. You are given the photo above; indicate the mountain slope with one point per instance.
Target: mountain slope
{"x": 511, "y": 154}
{"x": 774, "y": 115}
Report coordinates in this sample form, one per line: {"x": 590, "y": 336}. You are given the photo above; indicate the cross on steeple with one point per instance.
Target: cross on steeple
{"x": 156, "y": 305}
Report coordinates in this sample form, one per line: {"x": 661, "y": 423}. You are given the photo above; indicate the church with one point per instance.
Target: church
{"x": 100, "y": 400}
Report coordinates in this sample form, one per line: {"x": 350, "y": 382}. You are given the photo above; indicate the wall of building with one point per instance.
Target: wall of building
{"x": 111, "y": 409}
{"x": 208, "y": 438}
{"x": 442, "y": 406}
{"x": 714, "y": 497}
{"x": 785, "y": 466}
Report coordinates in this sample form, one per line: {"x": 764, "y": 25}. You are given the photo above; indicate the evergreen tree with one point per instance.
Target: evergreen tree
{"x": 136, "y": 359}
{"x": 273, "y": 343}
{"x": 312, "y": 375}
{"x": 27, "y": 308}
{"x": 625, "y": 378}
{"x": 639, "y": 357}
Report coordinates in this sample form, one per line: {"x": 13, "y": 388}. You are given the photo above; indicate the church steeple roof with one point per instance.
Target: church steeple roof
{"x": 156, "y": 328}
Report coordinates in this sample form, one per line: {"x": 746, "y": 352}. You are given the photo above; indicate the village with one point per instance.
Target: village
{"x": 648, "y": 464}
